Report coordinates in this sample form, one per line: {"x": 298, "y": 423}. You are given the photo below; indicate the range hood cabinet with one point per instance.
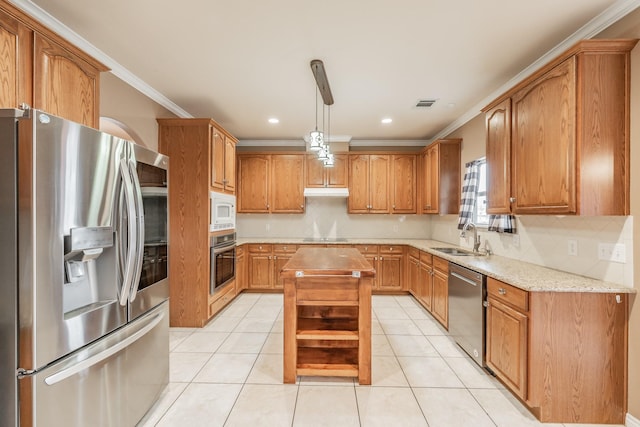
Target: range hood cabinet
{"x": 326, "y": 192}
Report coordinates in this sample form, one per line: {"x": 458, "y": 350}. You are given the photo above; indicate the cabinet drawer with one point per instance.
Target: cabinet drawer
{"x": 260, "y": 248}
{"x": 327, "y": 290}
{"x": 509, "y": 294}
{"x": 441, "y": 265}
{"x": 367, "y": 249}
{"x": 414, "y": 252}
{"x": 391, "y": 249}
{"x": 220, "y": 300}
{"x": 426, "y": 258}
{"x": 285, "y": 248}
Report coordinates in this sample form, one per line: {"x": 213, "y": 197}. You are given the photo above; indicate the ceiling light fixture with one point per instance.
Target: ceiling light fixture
{"x": 274, "y": 120}
{"x": 386, "y": 120}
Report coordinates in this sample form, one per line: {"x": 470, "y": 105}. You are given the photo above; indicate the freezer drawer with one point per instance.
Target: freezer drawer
{"x": 112, "y": 382}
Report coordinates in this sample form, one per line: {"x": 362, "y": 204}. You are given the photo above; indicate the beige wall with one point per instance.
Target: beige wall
{"x": 126, "y": 105}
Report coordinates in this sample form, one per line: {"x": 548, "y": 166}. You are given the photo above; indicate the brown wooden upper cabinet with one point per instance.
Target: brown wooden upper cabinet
{"x": 403, "y": 184}
{"x": 369, "y": 183}
{"x": 42, "y": 70}
{"x": 223, "y": 162}
{"x": 440, "y": 167}
{"x": 558, "y": 142}
{"x": 319, "y": 176}
{"x": 382, "y": 183}
{"x": 271, "y": 183}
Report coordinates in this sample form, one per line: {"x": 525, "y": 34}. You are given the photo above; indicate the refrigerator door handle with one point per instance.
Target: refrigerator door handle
{"x": 139, "y": 231}
{"x": 105, "y": 354}
{"x": 127, "y": 281}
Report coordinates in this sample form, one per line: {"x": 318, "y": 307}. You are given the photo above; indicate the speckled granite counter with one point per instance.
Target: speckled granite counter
{"x": 530, "y": 277}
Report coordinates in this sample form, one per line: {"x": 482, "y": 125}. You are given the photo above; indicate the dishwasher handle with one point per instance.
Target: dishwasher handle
{"x": 464, "y": 279}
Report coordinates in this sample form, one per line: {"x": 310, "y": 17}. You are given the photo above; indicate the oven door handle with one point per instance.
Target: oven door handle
{"x": 220, "y": 249}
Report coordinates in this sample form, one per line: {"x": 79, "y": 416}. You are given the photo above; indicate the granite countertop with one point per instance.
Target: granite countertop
{"x": 524, "y": 275}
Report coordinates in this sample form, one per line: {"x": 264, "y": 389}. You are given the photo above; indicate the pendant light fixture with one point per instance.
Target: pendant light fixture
{"x": 316, "y": 138}
{"x": 320, "y": 144}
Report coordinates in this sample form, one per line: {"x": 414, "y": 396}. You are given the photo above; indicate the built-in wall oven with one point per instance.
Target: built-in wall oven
{"x": 223, "y": 260}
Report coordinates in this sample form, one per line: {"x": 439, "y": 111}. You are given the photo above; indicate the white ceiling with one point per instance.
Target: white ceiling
{"x": 244, "y": 61}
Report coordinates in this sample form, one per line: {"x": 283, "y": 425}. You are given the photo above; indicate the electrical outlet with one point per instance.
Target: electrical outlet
{"x": 572, "y": 247}
{"x": 516, "y": 240}
{"x": 612, "y": 252}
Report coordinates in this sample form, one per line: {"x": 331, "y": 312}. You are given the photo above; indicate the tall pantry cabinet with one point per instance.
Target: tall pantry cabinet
{"x": 191, "y": 145}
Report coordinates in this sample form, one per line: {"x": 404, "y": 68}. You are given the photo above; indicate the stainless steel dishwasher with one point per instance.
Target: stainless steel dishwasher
{"x": 467, "y": 294}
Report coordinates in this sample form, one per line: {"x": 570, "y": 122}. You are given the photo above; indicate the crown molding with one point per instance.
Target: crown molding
{"x": 118, "y": 70}
{"x": 608, "y": 17}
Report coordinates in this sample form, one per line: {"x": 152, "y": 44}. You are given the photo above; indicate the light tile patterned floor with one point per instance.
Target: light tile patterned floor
{"x": 229, "y": 373}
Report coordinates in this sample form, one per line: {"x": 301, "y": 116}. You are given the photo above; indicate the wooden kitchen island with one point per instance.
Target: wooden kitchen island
{"x": 327, "y": 314}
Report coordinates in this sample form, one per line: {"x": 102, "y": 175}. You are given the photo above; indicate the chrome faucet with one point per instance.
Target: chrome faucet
{"x": 476, "y": 238}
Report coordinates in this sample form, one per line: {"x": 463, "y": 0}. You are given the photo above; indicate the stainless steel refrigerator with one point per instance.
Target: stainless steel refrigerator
{"x": 84, "y": 319}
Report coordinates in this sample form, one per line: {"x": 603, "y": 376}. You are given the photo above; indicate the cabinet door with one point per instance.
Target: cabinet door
{"x": 379, "y": 169}
{"x": 404, "y": 184}
{"x": 373, "y": 260}
{"x": 359, "y": 183}
{"x": 544, "y": 143}
{"x": 498, "y": 127}
{"x": 217, "y": 159}
{"x": 229, "y": 165}
{"x": 431, "y": 180}
{"x": 390, "y": 273}
{"x": 440, "y": 307}
{"x": 506, "y": 346}
{"x": 241, "y": 270}
{"x": 287, "y": 178}
{"x": 15, "y": 56}
{"x": 65, "y": 85}
{"x": 253, "y": 176}
{"x": 337, "y": 176}
{"x": 279, "y": 260}
{"x": 315, "y": 173}
{"x": 425, "y": 285}
{"x": 260, "y": 271}
{"x": 414, "y": 276}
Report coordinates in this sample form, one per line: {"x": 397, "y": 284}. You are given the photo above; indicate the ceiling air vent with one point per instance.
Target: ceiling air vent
{"x": 425, "y": 103}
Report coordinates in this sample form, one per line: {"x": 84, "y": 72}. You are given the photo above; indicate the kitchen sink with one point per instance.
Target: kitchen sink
{"x": 455, "y": 251}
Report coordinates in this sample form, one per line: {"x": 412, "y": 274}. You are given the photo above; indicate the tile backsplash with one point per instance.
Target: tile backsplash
{"x": 328, "y": 218}
{"x": 541, "y": 240}
{"x": 544, "y": 240}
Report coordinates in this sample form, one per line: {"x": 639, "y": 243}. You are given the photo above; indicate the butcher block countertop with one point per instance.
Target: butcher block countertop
{"x": 327, "y": 261}
{"x": 524, "y": 275}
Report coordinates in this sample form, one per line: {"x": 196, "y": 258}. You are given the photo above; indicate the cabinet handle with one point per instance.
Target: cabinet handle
{"x": 512, "y": 199}
{"x": 275, "y": 257}
{"x": 380, "y": 258}
{"x": 502, "y": 291}
{"x": 269, "y": 256}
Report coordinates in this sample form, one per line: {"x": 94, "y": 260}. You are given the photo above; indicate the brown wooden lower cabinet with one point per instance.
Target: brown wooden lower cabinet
{"x": 563, "y": 353}
{"x": 440, "y": 296}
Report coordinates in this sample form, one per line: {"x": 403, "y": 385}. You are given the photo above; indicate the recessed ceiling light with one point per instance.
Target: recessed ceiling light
{"x": 274, "y": 120}
{"x": 386, "y": 120}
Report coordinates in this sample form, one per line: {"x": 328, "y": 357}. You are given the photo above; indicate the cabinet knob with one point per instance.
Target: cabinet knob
{"x": 394, "y": 206}
{"x": 260, "y": 247}
{"x": 380, "y": 258}
{"x": 267, "y": 205}
{"x": 512, "y": 199}
{"x": 502, "y": 291}
{"x": 301, "y": 206}
{"x": 275, "y": 257}
{"x": 269, "y": 256}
